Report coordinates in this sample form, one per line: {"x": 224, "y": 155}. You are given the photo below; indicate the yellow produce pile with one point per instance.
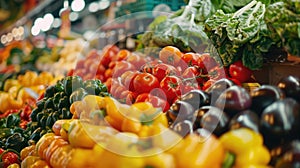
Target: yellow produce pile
{"x": 106, "y": 133}
{"x": 26, "y": 87}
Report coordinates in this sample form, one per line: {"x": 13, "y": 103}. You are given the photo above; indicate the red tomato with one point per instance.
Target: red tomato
{"x": 238, "y": 71}
{"x": 144, "y": 83}
{"x": 112, "y": 64}
{"x": 100, "y": 69}
{"x": 207, "y": 62}
{"x": 80, "y": 64}
{"x": 117, "y": 89}
{"x": 159, "y": 103}
{"x": 130, "y": 97}
{"x": 170, "y": 55}
{"x": 154, "y": 100}
{"x": 71, "y": 72}
{"x": 217, "y": 73}
{"x": 149, "y": 66}
{"x": 172, "y": 86}
{"x": 127, "y": 79}
{"x": 108, "y": 84}
{"x": 191, "y": 73}
{"x": 121, "y": 67}
{"x": 109, "y": 51}
{"x": 207, "y": 84}
{"x": 162, "y": 70}
{"x": 190, "y": 86}
{"x": 88, "y": 63}
{"x": 144, "y": 97}
{"x": 88, "y": 76}
{"x": 159, "y": 93}
{"x": 190, "y": 58}
{"x": 181, "y": 66}
{"x": 108, "y": 74}
{"x": 121, "y": 55}
{"x": 80, "y": 72}
{"x": 112, "y": 48}
{"x": 138, "y": 60}
{"x": 93, "y": 54}
{"x": 235, "y": 81}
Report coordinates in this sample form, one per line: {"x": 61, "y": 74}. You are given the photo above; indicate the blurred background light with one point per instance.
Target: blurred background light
{"x": 77, "y": 5}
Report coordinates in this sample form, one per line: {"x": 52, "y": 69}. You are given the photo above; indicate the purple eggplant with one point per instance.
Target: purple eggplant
{"x": 211, "y": 119}
{"x": 179, "y": 111}
{"x": 234, "y": 100}
{"x": 290, "y": 157}
{"x": 183, "y": 127}
{"x": 290, "y": 86}
{"x": 217, "y": 88}
{"x": 280, "y": 121}
{"x": 196, "y": 98}
{"x": 246, "y": 118}
{"x": 264, "y": 96}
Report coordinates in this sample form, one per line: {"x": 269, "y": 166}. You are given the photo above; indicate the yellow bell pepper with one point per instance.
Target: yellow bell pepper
{"x": 7, "y": 102}
{"x": 29, "y": 161}
{"x": 28, "y": 151}
{"x": 61, "y": 156}
{"x": 10, "y": 83}
{"x": 196, "y": 151}
{"x": 120, "y": 152}
{"x": 28, "y": 78}
{"x": 78, "y": 137}
{"x": 14, "y": 165}
{"x": 81, "y": 157}
{"x": 160, "y": 160}
{"x": 44, "y": 78}
{"x": 86, "y": 135}
{"x": 44, "y": 143}
{"x": 247, "y": 146}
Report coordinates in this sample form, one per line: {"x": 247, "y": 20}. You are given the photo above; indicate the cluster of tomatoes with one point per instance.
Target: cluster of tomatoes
{"x": 133, "y": 77}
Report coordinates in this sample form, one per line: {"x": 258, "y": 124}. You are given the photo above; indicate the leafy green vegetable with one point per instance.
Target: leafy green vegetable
{"x": 183, "y": 29}
{"x": 283, "y": 18}
{"x": 241, "y": 35}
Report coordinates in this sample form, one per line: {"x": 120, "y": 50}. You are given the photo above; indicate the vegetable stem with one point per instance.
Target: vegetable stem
{"x": 256, "y": 8}
{"x": 242, "y": 10}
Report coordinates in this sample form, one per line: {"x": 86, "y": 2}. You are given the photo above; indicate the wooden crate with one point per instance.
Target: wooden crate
{"x": 271, "y": 73}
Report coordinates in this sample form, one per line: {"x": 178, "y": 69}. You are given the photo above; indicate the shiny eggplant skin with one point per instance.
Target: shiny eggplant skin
{"x": 211, "y": 119}
{"x": 217, "y": 88}
{"x": 179, "y": 111}
{"x": 247, "y": 119}
{"x": 264, "y": 96}
{"x": 290, "y": 86}
{"x": 289, "y": 156}
{"x": 183, "y": 127}
{"x": 196, "y": 98}
{"x": 234, "y": 100}
{"x": 280, "y": 122}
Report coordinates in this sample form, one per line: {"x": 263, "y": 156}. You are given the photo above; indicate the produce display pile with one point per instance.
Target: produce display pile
{"x": 173, "y": 104}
